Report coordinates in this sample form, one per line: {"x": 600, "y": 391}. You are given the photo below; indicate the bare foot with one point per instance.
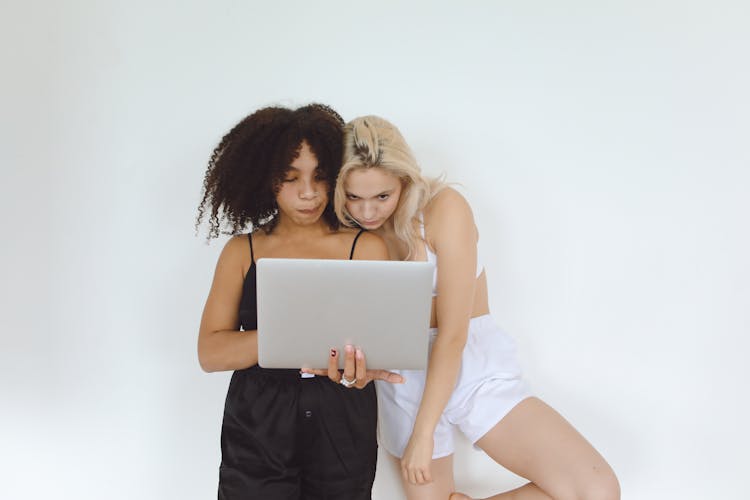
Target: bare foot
{"x": 458, "y": 496}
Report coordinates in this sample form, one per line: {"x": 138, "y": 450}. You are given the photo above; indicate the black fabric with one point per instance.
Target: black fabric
{"x": 249, "y": 300}
{"x": 286, "y": 437}
{"x": 354, "y": 244}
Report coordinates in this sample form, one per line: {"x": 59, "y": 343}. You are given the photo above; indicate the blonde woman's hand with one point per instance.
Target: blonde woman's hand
{"x": 355, "y": 373}
{"x": 415, "y": 464}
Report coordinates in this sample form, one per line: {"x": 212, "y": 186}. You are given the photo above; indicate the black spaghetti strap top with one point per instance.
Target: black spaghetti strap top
{"x": 249, "y": 300}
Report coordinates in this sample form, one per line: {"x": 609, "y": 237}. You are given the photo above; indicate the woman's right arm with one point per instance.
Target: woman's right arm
{"x": 221, "y": 346}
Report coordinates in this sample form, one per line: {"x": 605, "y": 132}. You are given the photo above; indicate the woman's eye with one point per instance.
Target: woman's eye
{"x": 291, "y": 179}
{"x": 351, "y": 197}
{"x": 383, "y": 197}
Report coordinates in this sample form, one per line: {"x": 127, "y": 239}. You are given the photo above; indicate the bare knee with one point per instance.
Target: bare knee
{"x": 604, "y": 486}
{"x": 600, "y": 486}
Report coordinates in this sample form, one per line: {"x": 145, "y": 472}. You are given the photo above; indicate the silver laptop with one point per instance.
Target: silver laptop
{"x": 307, "y": 306}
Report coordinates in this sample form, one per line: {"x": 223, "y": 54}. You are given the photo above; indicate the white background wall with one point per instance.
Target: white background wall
{"x": 604, "y": 146}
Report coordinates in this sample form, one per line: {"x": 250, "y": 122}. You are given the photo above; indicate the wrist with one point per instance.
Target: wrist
{"x": 423, "y": 431}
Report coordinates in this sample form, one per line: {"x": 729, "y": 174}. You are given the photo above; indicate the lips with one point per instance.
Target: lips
{"x": 308, "y": 211}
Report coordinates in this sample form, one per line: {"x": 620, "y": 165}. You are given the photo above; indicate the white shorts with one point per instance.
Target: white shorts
{"x": 489, "y": 385}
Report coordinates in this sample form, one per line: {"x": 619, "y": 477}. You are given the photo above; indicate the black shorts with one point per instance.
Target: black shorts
{"x": 291, "y": 438}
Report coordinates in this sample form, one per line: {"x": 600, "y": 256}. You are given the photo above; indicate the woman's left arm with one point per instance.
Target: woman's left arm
{"x": 453, "y": 235}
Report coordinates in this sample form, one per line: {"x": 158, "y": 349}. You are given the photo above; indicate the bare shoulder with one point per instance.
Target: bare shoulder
{"x": 447, "y": 199}
{"x": 343, "y": 237}
{"x": 366, "y": 247}
{"x": 447, "y": 207}
{"x": 346, "y": 232}
{"x": 236, "y": 252}
{"x": 370, "y": 246}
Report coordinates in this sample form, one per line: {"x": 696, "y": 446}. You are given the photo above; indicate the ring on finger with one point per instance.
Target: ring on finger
{"x": 346, "y": 382}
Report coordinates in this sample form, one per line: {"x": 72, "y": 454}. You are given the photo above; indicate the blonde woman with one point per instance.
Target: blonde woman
{"x": 473, "y": 380}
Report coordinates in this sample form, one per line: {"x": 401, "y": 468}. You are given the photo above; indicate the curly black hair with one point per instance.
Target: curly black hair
{"x": 246, "y": 168}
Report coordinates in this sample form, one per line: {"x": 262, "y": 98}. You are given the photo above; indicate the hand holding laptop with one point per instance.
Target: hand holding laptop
{"x": 355, "y": 372}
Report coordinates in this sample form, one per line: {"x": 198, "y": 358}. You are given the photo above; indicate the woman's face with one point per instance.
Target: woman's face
{"x": 372, "y": 196}
{"x": 303, "y": 194}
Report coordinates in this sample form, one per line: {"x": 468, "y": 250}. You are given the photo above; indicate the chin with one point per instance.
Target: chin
{"x": 306, "y": 220}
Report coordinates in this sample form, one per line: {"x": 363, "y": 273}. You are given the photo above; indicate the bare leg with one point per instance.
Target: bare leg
{"x": 529, "y": 490}
{"x": 536, "y": 442}
{"x": 441, "y": 486}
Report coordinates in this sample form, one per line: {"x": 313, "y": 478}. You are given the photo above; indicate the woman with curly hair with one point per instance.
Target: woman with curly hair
{"x": 473, "y": 380}
{"x": 284, "y": 435}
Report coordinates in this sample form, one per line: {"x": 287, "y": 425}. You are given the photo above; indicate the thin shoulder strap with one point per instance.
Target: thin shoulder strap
{"x": 250, "y": 239}
{"x": 354, "y": 243}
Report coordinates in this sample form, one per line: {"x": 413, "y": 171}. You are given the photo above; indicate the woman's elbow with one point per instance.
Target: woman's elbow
{"x": 207, "y": 366}
{"x": 452, "y": 341}
{"x": 206, "y": 361}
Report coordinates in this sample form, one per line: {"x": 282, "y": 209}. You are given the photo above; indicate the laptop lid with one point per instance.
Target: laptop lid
{"x": 307, "y": 306}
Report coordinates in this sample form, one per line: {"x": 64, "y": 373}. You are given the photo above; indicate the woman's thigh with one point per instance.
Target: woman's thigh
{"x": 537, "y": 443}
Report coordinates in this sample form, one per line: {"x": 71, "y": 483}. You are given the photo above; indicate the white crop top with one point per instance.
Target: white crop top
{"x": 432, "y": 258}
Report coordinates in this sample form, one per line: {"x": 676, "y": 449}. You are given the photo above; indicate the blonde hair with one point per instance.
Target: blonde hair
{"x": 372, "y": 142}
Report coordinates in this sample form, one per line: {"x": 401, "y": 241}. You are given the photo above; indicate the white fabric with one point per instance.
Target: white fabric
{"x": 489, "y": 385}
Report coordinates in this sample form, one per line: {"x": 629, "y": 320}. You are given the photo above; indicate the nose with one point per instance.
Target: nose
{"x": 368, "y": 211}
{"x": 308, "y": 190}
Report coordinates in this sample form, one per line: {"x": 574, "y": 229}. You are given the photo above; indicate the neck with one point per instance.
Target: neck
{"x": 288, "y": 228}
